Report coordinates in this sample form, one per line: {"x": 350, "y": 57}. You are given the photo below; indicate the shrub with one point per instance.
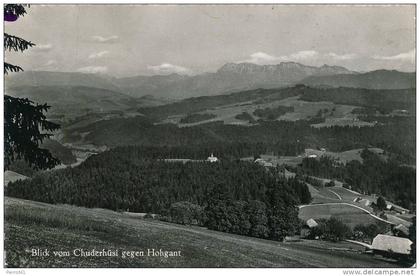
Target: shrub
{"x": 330, "y": 184}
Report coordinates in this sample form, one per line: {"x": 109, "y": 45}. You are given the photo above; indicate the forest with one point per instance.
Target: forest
{"x": 279, "y": 137}
{"x": 125, "y": 179}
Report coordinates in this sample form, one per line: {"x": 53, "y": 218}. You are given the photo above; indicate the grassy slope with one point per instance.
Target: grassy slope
{"x": 31, "y": 224}
{"x": 348, "y": 214}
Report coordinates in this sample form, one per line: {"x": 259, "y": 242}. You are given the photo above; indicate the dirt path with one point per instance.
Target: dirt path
{"x": 338, "y": 196}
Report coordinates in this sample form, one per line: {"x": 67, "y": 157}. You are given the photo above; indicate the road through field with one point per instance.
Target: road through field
{"x": 338, "y": 196}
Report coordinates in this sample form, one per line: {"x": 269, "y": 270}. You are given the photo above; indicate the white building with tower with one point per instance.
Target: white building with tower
{"x": 212, "y": 158}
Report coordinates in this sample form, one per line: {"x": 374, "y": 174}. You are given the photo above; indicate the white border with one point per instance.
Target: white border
{"x": 192, "y": 271}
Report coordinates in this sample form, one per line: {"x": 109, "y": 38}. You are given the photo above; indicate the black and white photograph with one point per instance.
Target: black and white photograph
{"x": 209, "y": 136}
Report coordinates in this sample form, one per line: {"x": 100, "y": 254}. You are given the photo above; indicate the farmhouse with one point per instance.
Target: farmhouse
{"x": 399, "y": 209}
{"x": 365, "y": 202}
{"x": 385, "y": 244}
{"x": 311, "y": 223}
{"x": 264, "y": 163}
{"x": 306, "y": 229}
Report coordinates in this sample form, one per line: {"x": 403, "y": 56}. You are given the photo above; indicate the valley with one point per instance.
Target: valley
{"x": 123, "y": 152}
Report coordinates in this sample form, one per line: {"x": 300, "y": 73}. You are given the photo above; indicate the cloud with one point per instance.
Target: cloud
{"x": 263, "y": 59}
{"x": 341, "y": 57}
{"x": 407, "y": 56}
{"x": 306, "y": 57}
{"x": 51, "y": 62}
{"x": 303, "y": 55}
{"x": 167, "y": 68}
{"x": 102, "y": 39}
{"x": 50, "y": 65}
{"x": 42, "y": 47}
{"x": 98, "y": 55}
{"x": 93, "y": 69}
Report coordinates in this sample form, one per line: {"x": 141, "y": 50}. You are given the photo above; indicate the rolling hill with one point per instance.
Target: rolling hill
{"x": 48, "y": 78}
{"x": 379, "y": 79}
{"x": 69, "y": 102}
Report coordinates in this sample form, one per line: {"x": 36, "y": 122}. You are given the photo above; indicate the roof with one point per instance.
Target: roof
{"x": 399, "y": 208}
{"x": 311, "y": 223}
{"x": 263, "y": 162}
{"x": 365, "y": 202}
{"x": 392, "y": 244}
{"x": 402, "y": 228}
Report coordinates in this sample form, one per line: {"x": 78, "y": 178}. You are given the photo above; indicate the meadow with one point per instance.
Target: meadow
{"x": 32, "y": 225}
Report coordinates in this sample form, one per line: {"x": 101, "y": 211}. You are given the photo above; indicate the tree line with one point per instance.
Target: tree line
{"x": 236, "y": 196}
{"x": 282, "y": 137}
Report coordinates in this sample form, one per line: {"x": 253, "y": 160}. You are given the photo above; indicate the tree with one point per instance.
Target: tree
{"x": 332, "y": 229}
{"x": 257, "y": 211}
{"x": 185, "y": 212}
{"x": 381, "y": 203}
{"x": 24, "y": 120}
{"x": 366, "y": 232}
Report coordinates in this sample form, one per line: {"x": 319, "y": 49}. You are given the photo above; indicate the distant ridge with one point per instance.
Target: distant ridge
{"x": 231, "y": 77}
{"x": 48, "y": 78}
{"x": 379, "y": 79}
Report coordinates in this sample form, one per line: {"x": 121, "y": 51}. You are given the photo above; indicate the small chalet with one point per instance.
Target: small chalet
{"x": 306, "y": 229}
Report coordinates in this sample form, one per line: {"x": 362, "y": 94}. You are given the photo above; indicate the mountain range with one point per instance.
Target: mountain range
{"x": 231, "y": 77}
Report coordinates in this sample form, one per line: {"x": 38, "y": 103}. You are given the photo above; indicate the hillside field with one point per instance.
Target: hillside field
{"x": 33, "y": 225}
{"x": 350, "y": 215}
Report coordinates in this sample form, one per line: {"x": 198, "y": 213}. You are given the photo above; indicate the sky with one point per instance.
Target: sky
{"x": 129, "y": 40}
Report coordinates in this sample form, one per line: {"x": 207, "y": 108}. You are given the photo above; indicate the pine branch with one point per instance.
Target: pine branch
{"x": 11, "y": 68}
{"x": 24, "y": 122}
{"x": 16, "y": 9}
{"x": 15, "y": 43}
